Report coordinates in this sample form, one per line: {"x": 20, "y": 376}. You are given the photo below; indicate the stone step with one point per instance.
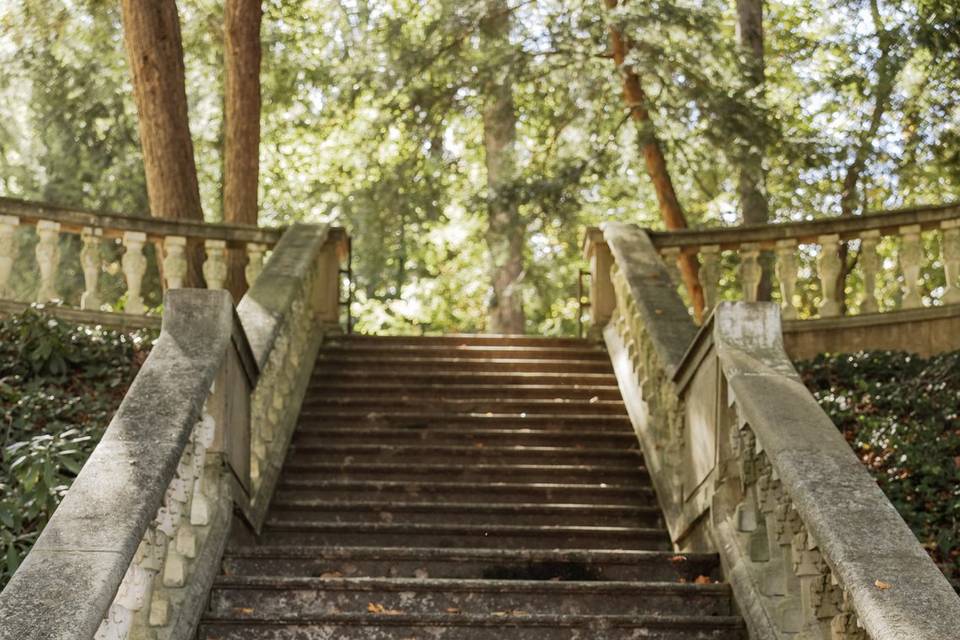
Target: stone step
{"x": 464, "y": 351}
{"x": 267, "y": 597}
{"x": 499, "y": 625}
{"x": 439, "y": 404}
{"x": 312, "y": 509}
{"x": 319, "y": 435}
{"x": 621, "y": 474}
{"x": 463, "y": 339}
{"x": 447, "y": 491}
{"x": 460, "y": 536}
{"x": 493, "y": 564}
{"x": 421, "y": 419}
{"x": 332, "y": 375}
{"x": 387, "y": 390}
{"x": 429, "y": 453}
{"x": 411, "y": 363}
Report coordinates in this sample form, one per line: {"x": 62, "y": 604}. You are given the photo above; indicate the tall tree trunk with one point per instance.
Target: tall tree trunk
{"x": 752, "y": 183}
{"x": 656, "y": 163}
{"x": 242, "y": 54}
{"x": 505, "y": 232}
{"x": 151, "y": 35}
{"x": 887, "y": 68}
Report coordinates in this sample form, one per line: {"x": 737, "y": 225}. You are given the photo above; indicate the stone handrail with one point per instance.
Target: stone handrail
{"x": 134, "y": 546}
{"x": 134, "y": 233}
{"x": 746, "y": 464}
{"x": 784, "y": 241}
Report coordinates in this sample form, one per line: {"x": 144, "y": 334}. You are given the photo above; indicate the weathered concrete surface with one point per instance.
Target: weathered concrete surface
{"x": 856, "y": 528}
{"x": 925, "y": 332}
{"x": 663, "y": 313}
{"x": 68, "y": 581}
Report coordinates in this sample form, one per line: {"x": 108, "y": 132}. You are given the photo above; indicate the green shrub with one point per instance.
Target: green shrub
{"x": 900, "y": 414}
{"x": 59, "y": 385}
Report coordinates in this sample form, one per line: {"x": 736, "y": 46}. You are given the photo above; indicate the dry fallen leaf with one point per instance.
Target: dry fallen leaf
{"x": 376, "y": 607}
{"x": 703, "y": 580}
{"x": 453, "y": 610}
{"x": 421, "y": 574}
{"x": 678, "y": 558}
{"x": 594, "y": 399}
{"x": 880, "y": 584}
{"x": 331, "y": 574}
{"x": 244, "y": 610}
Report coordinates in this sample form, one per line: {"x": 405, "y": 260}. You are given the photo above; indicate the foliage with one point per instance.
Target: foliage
{"x": 59, "y": 385}
{"x": 901, "y": 415}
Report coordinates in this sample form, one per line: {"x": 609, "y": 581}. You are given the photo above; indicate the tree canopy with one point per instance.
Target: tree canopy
{"x": 373, "y": 118}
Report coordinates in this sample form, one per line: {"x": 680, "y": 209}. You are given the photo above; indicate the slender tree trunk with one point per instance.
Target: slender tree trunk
{"x": 887, "y": 68}
{"x": 752, "y": 183}
{"x": 151, "y": 34}
{"x": 505, "y": 233}
{"x": 656, "y": 163}
{"x": 241, "y": 172}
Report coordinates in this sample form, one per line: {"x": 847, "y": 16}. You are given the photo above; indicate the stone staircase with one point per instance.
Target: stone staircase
{"x": 465, "y": 487}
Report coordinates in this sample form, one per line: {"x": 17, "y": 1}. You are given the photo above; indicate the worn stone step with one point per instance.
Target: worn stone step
{"x": 421, "y": 419}
{"x": 332, "y": 375}
{"x": 495, "y": 564}
{"x": 312, "y": 509}
{"x": 427, "y": 453}
{"x": 487, "y": 365}
{"x": 500, "y": 625}
{"x": 464, "y": 351}
{"x": 266, "y": 597}
{"x": 283, "y": 531}
{"x": 622, "y": 474}
{"x": 447, "y": 491}
{"x": 439, "y": 404}
{"x": 382, "y": 390}
{"x": 466, "y": 339}
{"x": 317, "y": 435}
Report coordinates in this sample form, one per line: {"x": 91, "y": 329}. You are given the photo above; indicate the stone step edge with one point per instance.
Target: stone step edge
{"x": 316, "y": 467}
{"x": 478, "y": 529}
{"x": 488, "y": 620}
{"x": 287, "y": 503}
{"x": 486, "y": 486}
{"x": 466, "y": 585}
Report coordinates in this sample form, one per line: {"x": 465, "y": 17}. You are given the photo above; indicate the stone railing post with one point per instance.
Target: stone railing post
{"x": 254, "y": 262}
{"x": 870, "y": 263}
{"x": 911, "y": 256}
{"x": 951, "y": 260}
{"x": 90, "y": 259}
{"x": 787, "y": 276}
{"x": 134, "y": 266}
{"x": 671, "y": 258}
{"x": 710, "y": 275}
{"x": 215, "y": 266}
{"x": 48, "y": 259}
{"x": 174, "y": 261}
{"x": 8, "y": 224}
{"x": 829, "y": 265}
{"x": 602, "y": 298}
{"x": 750, "y": 271}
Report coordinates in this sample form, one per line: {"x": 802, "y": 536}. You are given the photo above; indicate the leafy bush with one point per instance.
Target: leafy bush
{"x": 900, "y": 414}
{"x": 59, "y": 385}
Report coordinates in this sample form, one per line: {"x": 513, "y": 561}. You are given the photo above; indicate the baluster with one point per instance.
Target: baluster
{"x": 870, "y": 263}
{"x": 710, "y": 274}
{"x": 90, "y": 262}
{"x": 134, "y": 265}
{"x": 829, "y": 266}
{"x": 750, "y": 270}
{"x": 787, "y": 276}
{"x": 951, "y": 260}
{"x": 8, "y": 225}
{"x": 254, "y": 262}
{"x": 174, "y": 261}
{"x": 48, "y": 259}
{"x": 215, "y": 266}
{"x": 910, "y": 258}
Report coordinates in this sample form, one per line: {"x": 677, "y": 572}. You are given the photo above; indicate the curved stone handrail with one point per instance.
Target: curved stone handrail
{"x": 746, "y": 463}
{"x": 134, "y": 546}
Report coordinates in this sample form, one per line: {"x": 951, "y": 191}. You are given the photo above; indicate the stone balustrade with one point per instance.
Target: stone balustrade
{"x": 805, "y": 256}
{"x": 98, "y": 232}
{"x": 133, "y": 548}
{"x": 746, "y": 464}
